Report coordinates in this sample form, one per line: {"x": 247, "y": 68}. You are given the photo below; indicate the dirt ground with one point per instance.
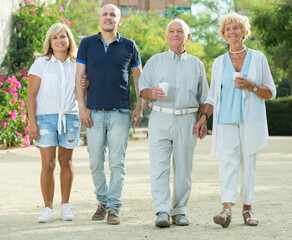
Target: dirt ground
{"x": 21, "y": 200}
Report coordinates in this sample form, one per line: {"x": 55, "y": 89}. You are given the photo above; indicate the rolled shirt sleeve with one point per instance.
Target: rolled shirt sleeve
{"x": 37, "y": 67}
{"x": 145, "y": 81}
{"x": 203, "y": 87}
{"x": 136, "y": 59}
{"x": 82, "y": 52}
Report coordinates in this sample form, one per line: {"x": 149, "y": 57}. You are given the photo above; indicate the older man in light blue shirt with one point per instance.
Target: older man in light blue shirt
{"x": 172, "y": 120}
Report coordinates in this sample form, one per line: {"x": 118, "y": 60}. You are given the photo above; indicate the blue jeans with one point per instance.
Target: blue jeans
{"x": 110, "y": 129}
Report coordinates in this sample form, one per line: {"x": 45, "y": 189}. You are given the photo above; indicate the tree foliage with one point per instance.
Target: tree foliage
{"x": 274, "y": 28}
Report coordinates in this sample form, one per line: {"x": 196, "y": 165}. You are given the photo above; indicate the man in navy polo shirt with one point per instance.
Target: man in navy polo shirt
{"x": 107, "y": 59}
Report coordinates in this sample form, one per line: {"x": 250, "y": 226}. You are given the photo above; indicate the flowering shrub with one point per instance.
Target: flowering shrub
{"x": 13, "y": 115}
{"x": 30, "y": 24}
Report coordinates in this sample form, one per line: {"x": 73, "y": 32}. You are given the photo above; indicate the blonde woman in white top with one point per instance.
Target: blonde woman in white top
{"x": 239, "y": 116}
{"x": 53, "y": 115}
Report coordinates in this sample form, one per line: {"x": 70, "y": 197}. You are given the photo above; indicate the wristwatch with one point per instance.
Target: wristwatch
{"x": 255, "y": 88}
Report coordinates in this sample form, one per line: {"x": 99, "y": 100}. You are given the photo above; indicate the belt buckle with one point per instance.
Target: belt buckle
{"x": 177, "y": 112}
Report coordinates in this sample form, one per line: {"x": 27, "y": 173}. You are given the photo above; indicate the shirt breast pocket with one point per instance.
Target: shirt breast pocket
{"x": 49, "y": 80}
{"x": 191, "y": 81}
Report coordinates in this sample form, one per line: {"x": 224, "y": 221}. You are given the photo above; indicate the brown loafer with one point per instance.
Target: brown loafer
{"x": 113, "y": 218}
{"x": 100, "y": 212}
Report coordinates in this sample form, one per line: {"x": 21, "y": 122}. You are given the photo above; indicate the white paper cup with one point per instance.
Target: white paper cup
{"x": 237, "y": 74}
{"x": 164, "y": 87}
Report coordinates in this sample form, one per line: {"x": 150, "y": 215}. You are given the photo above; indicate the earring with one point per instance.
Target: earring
{"x": 51, "y": 49}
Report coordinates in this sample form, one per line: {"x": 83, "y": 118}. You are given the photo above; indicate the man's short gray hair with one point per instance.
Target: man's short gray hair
{"x": 185, "y": 26}
{"x": 117, "y": 10}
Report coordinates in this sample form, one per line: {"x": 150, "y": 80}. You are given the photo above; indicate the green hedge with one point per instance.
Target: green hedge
{"x": 279, "y": 114}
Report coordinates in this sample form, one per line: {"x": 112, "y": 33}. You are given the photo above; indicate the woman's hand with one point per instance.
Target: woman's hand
{"x": 83, "y": 82}
{"x": 243, "y": 83}
{"x": 33, "y": 131}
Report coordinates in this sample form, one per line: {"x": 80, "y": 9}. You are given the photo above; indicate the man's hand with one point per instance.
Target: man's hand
{"x": 34, "y": 132}
{"x": 138, "y": 114}
{"x": 85, "y": 118}
{"x": 83, "y": 82}
{"x": 156, "y": 93}
{"x": 200, "y": 128}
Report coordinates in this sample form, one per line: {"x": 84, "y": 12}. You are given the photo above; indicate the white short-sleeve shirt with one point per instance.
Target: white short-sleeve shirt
{"x": 57, "y": 93}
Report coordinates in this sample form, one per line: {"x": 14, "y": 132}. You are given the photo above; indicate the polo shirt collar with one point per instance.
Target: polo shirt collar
{"x": 118, "y": 39}
{"x": 172, "y": 54}
{"x": 54, "y": 59}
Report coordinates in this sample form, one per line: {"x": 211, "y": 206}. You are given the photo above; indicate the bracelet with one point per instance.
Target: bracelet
{"x": 206, "y": 114}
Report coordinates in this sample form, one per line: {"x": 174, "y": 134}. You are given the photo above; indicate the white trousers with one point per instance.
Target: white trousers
{"x": 231, "y": 158}
{"x": 171, "y": 134}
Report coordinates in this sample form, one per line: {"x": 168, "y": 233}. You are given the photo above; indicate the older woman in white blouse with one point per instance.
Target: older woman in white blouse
{"x": 53, "y": 115}
{"x": 239, "y": 116}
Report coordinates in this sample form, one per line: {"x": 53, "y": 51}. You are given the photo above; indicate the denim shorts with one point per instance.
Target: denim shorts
{"x": 49, "y": 136}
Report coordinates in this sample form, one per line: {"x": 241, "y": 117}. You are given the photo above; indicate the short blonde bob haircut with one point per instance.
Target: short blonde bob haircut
{"x": 242, "y": 21}
{"x": 53, "y": 31}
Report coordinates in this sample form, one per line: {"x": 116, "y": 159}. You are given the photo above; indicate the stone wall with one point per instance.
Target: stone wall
{"x": 7, "y": 7}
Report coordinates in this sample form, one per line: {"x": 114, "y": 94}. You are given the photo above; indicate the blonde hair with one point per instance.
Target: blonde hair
{"x": 185, "y": 26}
{"x": 53, "y": 31}
{"x": 242, "y": 21}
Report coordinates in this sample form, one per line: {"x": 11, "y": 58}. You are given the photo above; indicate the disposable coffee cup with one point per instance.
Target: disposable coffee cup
{"x": 236, "y": 74}
{"x": 164, "y": 87}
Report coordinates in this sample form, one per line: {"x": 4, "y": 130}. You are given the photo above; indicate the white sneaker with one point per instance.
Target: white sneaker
{"x": 47, "y": 215}
{"x": 66, "y": 212}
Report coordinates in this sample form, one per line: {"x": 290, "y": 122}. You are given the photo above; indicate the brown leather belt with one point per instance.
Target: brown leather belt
{"x": 103, "y": 109}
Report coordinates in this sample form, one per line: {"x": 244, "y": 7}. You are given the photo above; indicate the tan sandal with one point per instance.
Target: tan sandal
{"x": 222, "y": 219}
{"x": 247, "y": 221}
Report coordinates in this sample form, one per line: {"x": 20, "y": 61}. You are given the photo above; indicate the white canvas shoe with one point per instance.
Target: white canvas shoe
{"x": 47, "y": 215}
{"x": 66, "y": 212}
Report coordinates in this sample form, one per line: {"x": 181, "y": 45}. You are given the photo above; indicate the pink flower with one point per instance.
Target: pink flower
{"x": 60, "y": 9}
{"x": 4, "y": 124}
{"x": 0, "y": 84}
{"x": 27, "y": 21}
{"x": 16, "y": 64}
{"x": 15, "y": 97}
{"x": 21, "y": 103}
{"x": 13, "y": 115}
{"x": 26, "y": 140}
{"x": 30, "y": 54}
{"x": 11, "y": 90}
{"x": 26, "y": 129}
{"x": 19, "y": 135}
{"x": 19, "y": 25}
